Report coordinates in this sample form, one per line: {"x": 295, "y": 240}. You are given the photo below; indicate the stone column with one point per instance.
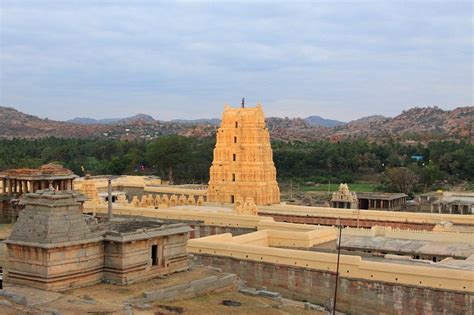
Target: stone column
{"x": 15, "y": 186}
{"x": 4, "y": 185}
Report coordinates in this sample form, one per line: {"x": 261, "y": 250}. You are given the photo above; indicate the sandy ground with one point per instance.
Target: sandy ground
{"x": 112, "y": 299}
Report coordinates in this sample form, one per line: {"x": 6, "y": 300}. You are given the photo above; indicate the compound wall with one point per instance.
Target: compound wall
{"x": 355, "y": 296}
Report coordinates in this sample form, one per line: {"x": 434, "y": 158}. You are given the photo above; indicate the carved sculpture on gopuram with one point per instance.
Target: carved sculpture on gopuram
{"x": 243, "y": 162}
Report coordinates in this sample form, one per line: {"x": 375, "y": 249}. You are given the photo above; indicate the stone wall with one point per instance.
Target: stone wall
{"x": 352, "y": 222}
{"x": 130, "y": 262}
{"x": 355, "y": 296}
{"x": 202, "y": 230}
{"x": 191, "y": 289}
{"x": 365, "y": 215}
{"x": 50, "y": 268}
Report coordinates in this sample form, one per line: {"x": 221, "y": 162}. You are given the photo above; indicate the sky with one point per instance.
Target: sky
{"x": 336, "y": 59}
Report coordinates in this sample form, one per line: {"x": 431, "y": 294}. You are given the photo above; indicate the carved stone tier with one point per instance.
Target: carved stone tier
{"x": 243, "y": 162}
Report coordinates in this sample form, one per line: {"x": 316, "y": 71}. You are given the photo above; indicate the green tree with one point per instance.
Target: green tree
{"x": 167, "y": 153}
{"x": 400, "y": 179}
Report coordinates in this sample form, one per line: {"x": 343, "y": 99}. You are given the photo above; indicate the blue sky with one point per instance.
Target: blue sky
{"x": 337, "y": 59}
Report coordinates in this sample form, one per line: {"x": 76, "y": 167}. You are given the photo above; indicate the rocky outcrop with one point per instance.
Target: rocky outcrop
{"x": 419, "y": 123}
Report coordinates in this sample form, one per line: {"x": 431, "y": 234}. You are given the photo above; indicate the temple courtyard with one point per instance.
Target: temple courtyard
{"x": 111, "y": 299}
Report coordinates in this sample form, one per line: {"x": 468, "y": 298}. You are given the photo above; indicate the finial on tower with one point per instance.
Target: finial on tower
{"x": 243, "y": 102}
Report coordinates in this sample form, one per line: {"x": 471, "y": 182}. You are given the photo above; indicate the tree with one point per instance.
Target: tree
{"x": 430, "y": 174}
{"x": 400, "y": 179}
{"x": 167, "y": 153}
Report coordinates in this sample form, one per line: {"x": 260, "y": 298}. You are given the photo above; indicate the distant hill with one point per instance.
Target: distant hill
{"x": 17, "y": 124}
{"x": 320, "y": 121}
{"x": 202, "y": 121}
{"x": 108, "y": 121}
{"x": 415, "y": 123}
{"x": 419, "y": 123}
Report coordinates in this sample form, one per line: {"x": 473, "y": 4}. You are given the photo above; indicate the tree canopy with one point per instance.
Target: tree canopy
{"x": 187, "y": 159}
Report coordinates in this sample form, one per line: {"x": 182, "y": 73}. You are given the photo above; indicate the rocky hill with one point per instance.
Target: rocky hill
{"x": 323, "y": 122}
{"x": 415, "y": 124}
{"x": 17, "y": 124}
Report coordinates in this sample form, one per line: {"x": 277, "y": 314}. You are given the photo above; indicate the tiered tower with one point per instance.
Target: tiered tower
{"x": 243, "y": 162}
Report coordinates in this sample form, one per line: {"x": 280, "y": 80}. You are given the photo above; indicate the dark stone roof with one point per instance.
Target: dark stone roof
{"x": 51, "y": 218}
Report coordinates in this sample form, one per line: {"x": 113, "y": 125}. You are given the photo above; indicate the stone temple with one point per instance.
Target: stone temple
{"x": 54, "y": 247}
{"x": 243, "y": 167}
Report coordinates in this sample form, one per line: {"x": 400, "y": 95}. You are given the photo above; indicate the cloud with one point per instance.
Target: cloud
{"x": 174, "y": 60}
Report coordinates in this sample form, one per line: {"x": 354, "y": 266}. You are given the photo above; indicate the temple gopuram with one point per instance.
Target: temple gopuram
{"x": 243, "y": 167}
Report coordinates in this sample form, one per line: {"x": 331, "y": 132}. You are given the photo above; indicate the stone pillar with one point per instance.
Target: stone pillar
{"x": 15, "y": 186}
{"x": 10, "y": 187}
{"x": 20, "y": 187}
{"x": 4, "y": 185}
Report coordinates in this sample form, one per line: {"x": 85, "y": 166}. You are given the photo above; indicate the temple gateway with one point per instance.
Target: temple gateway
{"x": 243, "y": 169}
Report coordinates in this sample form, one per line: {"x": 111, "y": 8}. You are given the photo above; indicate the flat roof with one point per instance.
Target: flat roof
{"x": 455, "y": 199}
{"x": 136, "y": 229}
{"x": 380, "y": 195}
{"x": 412, "y": 247}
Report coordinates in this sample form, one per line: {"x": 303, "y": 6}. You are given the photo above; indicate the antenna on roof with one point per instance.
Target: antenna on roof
{"x": 243, "y": 102}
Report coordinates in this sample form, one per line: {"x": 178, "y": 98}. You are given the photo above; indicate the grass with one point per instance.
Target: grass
{"x": 357, "y": 187}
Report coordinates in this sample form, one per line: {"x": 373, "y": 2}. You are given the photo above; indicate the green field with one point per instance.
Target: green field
{"x": 357, "y": 187}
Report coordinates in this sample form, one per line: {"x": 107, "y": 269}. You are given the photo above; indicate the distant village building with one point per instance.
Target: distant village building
{"x": 243, "y": 162}
{"x": 344, "y": 198}
{"x": 381, "y": 201}
{"x": 52, "y": 247}
{"x": 453, "y": 205}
